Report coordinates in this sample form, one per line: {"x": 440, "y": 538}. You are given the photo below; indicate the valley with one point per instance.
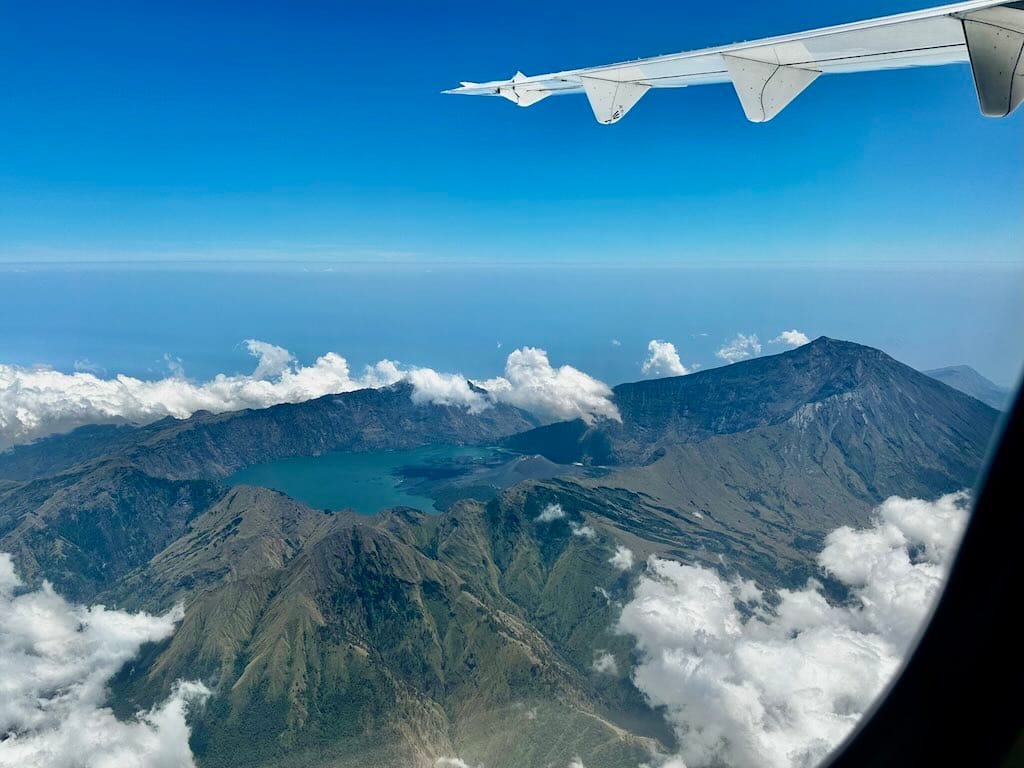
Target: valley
{"x": 331, "y": 632}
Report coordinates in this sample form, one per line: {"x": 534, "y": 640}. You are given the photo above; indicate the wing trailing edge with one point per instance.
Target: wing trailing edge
{"x": 769, "y": 74}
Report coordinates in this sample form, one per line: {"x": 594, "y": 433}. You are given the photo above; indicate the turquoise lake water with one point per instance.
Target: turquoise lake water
{"x": 365, "y": 482}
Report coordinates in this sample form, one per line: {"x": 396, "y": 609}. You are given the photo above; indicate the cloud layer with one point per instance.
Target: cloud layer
{"x": 663, "y": 360}
{"x": 781, "y": 688}
{"x": 35, "y": 402}
{"x": 55, "y": 662}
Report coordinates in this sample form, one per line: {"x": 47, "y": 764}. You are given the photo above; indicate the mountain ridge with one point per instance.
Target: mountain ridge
{"x": 970, "y": 382}
{"x": 399, "y": 638}
{"x": 731, "y": 399}
{"x": 213, "y": 446}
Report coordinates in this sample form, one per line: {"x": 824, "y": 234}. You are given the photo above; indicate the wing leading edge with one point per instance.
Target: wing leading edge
{"x": 768, "y": 74}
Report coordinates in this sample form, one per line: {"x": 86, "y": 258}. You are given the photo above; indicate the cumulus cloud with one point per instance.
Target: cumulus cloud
{"x": 533, "y": 384}
{"x": 451, "y": 762}
{"x": 55, "y": 661}
{"x": 582, "y": 530}
{"x": 605, "y": 663}
{"x": 776, "y": 687}
{"x": 35, "y": 402}
{"x": 793, "y": 338}
{"x": 550, "y": 513}
{"x": 740, "y": 348}
{"x": 429, "y": 386}
{"x": 622, "y": 559}
{"x": 663, "y": 360}
{"x": 553, "y": 512}
{"x": 273, "y": 360}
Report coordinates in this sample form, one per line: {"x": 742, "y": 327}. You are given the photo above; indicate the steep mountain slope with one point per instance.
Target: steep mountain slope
{"x": 391, "y": 640}
{"x": 214, "y": 446}
{"x": 757, "y": 461}
{"x": 970, "y": 382}
{"x": 86, "y": 528}
{"x": 397, "y": 639}
{"x": 852, "y": 382}
{"x": 85, "y": 517}
{"x": 56, "y": 453}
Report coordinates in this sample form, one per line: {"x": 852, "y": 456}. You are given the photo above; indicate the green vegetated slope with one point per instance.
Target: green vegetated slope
{"x": 85, "y": 517}
{"x": 329, "y": 635}
{"x": 396, "y": 639}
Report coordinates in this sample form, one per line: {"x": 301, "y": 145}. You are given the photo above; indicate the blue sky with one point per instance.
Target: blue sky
{"x": 316, "y": 131}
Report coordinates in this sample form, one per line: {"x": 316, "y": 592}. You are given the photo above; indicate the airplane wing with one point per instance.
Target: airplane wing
{"x": 768, "y": 74}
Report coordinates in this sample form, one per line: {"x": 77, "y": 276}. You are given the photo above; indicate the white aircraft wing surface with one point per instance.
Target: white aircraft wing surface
{"x": 768, "y": 74}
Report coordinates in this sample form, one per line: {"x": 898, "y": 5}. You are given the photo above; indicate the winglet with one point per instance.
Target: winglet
{"x": 766, "y": 89}
{"x": 611, "y": 100}
{"x": 995, "y": 42}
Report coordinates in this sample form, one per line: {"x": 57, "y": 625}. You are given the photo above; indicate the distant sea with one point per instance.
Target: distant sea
{"x": 132, "y": 319}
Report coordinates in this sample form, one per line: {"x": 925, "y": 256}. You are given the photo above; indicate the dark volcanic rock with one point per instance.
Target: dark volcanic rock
{"x": 885, "y": 416}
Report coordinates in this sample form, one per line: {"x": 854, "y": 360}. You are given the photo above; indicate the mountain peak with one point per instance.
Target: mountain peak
{"x": 751, "y": 394}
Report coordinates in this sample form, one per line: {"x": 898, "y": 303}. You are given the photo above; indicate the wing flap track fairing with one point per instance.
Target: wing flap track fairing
{"x": 769, "y": 74}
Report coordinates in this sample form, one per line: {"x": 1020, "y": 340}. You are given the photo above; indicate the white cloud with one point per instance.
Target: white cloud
{"x": 740, "y": 348}
{"x": 533, "y": 384}
{"x": 35, "y": 402}
{"x": 616, "y": 343}
{"x": 793, "y": 338}
{"x": 550, "y": 513}
{"x": 663, "y": 360}
{"x": 452, "y": 762}
{"x": 273, "y": 360}
{"x": 576, "y": 763}
{"x": 666, "y": 762}
{"x": 605, "y": 663}
{"x": 429, "y": 386}
{"x": 55, "y": 662}
{"x": 85, "y": 365}
{"x": 781, "y": 688}
{"x": 553, "y": 512}
{"x": 383, "y": 373}
{"x": 623, "y": 558}
{"x": 583, "y": 531}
